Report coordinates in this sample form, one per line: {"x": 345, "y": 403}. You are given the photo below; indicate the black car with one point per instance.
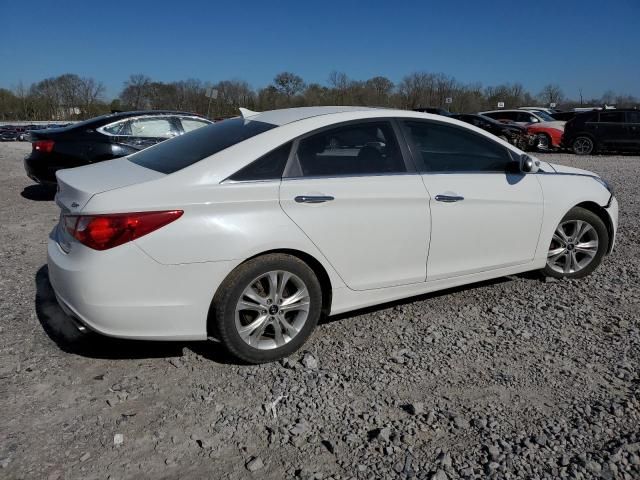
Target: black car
{"x": 103, "y": 138}
{"x": 601, "y": 130}
{"x": 8, "y": 135}
{"x": 565, "y": 116}
{"x": 510, "y": 132}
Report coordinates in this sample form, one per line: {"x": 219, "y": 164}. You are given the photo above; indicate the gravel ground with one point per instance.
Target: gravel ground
{"x": 514, "y": 378}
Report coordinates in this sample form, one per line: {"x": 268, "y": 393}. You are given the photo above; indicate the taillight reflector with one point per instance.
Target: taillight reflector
{"x": 102, "y": 232}
{"x": 43, "y": 146}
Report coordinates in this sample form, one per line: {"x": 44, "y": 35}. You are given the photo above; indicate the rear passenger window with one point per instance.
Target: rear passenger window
{"x": 190, "y": 124}
{"x": 614, "y": 117}
{"x": 633, "y": 117}
{"x": 152, "y": 128}
{"x": 444, "y": 148}
{"x": 268, "y": 167}
{"x": 367, "y": 148}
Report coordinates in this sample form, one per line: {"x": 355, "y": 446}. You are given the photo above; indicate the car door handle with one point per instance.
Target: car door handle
{"x": 449, "y": 198}
{"x": 313, "y": 198}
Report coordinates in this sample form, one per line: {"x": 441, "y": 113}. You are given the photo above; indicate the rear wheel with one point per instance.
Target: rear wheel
{"x": 583, "y": 146}
{"x": 577, "y": 246}
{"x": 267, "y": 308}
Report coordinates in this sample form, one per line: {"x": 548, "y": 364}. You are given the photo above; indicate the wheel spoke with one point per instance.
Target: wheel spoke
{"x": 584, "y": 229}
{"x": 252, "y": 294}
{"x": 244, "y": 305}
{"x": 562, "y": 234}
{"x": 273, "y": 285}
{"x": 290, "y": 329}
{"x": 279, "y": 337}
{"x": 559, "y": 239}
{"x": 554, "y": 253}
{"x": 297, "y": 301}
{"x": 588, "y": 248}
{"x": 575, "y": 266}
{"x": 284, "y": 279}
{"x": 254, "y": 330}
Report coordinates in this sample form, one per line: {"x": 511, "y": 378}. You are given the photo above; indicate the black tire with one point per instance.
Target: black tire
{"x": 578, "y": 213}
{"x": 230, "y": 291}
{"x": 583, "y": 145}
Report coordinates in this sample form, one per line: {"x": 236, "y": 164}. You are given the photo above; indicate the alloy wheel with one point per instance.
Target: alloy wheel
{"x": 542, "y": 142}
{"x": 272, "y": 310}
{"x": 573, "y": 247}
{"x": 582, "y": 146}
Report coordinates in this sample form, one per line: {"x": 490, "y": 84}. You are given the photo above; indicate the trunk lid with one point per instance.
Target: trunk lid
{"x": 76, "y": 186}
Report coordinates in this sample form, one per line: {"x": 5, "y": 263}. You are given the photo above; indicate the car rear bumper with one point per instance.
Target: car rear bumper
{"x": 40, "y": 171}
{"x": 124, "y": 293}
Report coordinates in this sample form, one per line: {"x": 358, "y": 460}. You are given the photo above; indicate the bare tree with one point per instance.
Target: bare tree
{"x": 289, "y": 84}
{"x": 136, "y": 92}
{"x": 551, "y": 93}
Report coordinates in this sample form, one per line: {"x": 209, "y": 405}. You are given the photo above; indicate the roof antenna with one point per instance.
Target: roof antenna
{"x": 245, "y": 112}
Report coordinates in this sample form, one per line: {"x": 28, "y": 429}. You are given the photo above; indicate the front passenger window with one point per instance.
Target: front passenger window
{"x": 450, "y": 149}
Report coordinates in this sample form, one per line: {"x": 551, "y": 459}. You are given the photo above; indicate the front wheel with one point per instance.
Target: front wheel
{"x": 543, "y": 142}
{"x": 267, "y": 308}
{"x": 577, "y": 246}
{"x": 583, "y": 146}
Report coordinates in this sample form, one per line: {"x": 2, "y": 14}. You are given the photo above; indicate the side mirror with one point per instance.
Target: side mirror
{"x": 528, "y": 164}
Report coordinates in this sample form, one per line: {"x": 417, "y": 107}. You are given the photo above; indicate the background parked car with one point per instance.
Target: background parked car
{"x": 523, "y": 117}
{"x": 603, "y": 130}
{"x": 8, "y": 135}
{"x": 565, "y": 116}
{"x": 434, "y": 110}
{"x": 103, "y": 138}
{"x": 546, "y": 135}
{"x": 512, "y": 133}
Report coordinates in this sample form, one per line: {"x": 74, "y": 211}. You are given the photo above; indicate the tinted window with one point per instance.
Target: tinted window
{"x": 152, "y": 128}
{"x": 444, "y": 148}
{"x": 617, "y": 117}
{"x": 633, "y": 117}
{"x": 268, "y": 167}
{"x": 189, "y": 124}
{"x": 118, "y": 128}
{"x": 526, "y": 117}
{"x": 367, "y": 148}
{"x": 187, "y": 149}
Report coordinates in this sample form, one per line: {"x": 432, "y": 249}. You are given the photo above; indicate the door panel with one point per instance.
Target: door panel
{"x": 493, "y": 222}
{"x": 374, "y": 230}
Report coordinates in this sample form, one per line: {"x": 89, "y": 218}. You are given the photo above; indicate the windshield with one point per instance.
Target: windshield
{"x": 545, "y": 116}
{"x": 180, "y": 152}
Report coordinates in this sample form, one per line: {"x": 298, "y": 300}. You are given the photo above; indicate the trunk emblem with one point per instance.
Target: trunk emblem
{"x": 75, "y": 205}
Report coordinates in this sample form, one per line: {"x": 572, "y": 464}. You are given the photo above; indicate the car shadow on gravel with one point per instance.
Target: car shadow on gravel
{"x": 63, "y": 331}
{"x": 39, "y": 193}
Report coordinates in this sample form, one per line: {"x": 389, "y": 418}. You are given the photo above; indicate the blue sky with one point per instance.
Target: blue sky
{"x": 588, "y": 44}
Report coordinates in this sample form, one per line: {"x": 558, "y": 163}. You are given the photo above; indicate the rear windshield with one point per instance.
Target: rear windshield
{"x": 180, "y": 152}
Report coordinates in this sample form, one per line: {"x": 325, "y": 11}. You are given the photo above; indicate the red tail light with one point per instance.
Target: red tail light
{"x": 44, "y": 146}
{"x": 102, "y": 232}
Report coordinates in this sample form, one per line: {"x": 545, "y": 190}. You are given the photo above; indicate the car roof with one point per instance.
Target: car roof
{"x": 508, "y": 110}
{"x": 289, "y": 115}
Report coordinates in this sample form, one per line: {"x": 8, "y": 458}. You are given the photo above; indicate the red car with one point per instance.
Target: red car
{"x": 548, "y": 134}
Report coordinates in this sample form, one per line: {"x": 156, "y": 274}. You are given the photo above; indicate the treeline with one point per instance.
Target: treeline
{"x": 71, "y": 97}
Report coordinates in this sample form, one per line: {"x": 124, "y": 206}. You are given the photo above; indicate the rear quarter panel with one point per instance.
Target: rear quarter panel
{"x": 221, "y": 222}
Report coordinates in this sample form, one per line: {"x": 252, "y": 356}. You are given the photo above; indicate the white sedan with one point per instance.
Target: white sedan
{"x": 250, "y": 229}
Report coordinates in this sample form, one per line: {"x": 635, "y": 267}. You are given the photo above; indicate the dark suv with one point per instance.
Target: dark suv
{"x": 600, "y": 130}
{"x": 103, "y": 138}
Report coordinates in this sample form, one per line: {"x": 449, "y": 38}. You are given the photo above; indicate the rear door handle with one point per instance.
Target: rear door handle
{"x": 449, "y": 198}
{"x": 313, "y": 198}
